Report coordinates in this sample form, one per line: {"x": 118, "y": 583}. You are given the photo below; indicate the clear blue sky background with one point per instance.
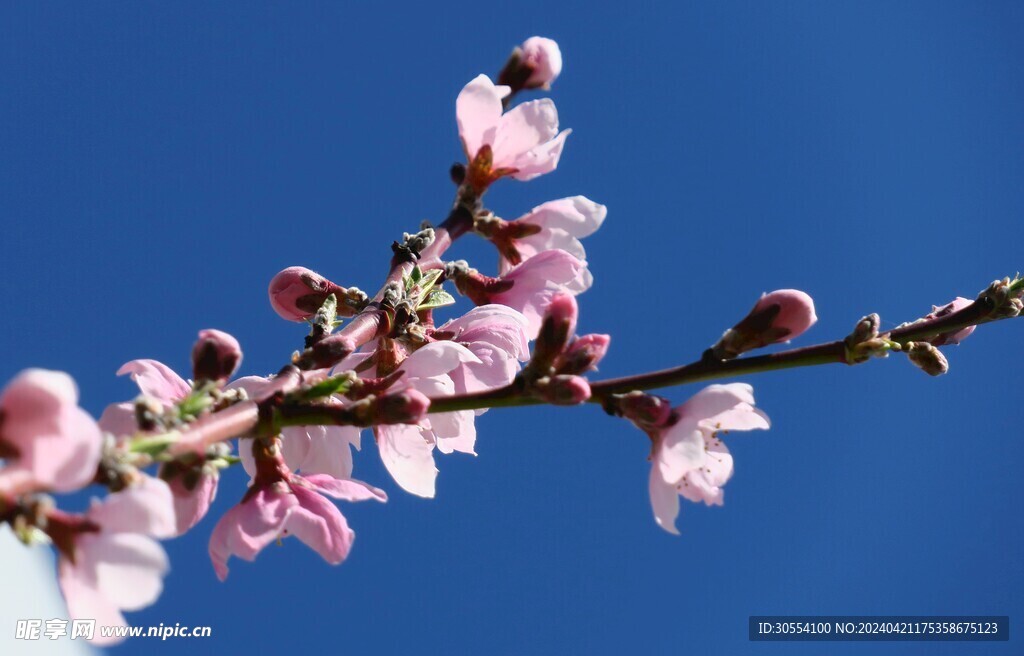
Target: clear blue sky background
{"x": 159, "y": 163}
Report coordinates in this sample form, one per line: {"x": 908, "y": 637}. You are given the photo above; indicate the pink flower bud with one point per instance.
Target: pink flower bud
{"x": 583, "y": 354}
{"x": 543, "y": 58}
{"x": 778, "y": 316}
{"x": 297, "y": 293}
{"x": 406, "y": 407}
{"x": 958, "y": 336}
{"x": 556, "y": 329}
{"x": 215, "y": 356}
{"x": 645, "y": 410}
{"x": 564, "y": 390}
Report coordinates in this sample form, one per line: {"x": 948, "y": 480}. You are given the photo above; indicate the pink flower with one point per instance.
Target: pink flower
{"x": 558, "y": 224}
{"x": 407, "y": 450}
{"x": 306, "y": 449}
{"x": 522, "y": 143}
{"x": 688, "y": 456}
{"x": 544, "y": 58}
{"x": 496, "y": 335}
{"x": 958, "y": 336}
{"x": 280, "y": 503}
{"x": 158, "y": 382}
{"x": 537, "y": 280}
{"x": 47, "y": 442}
{"x": 111, "y": 563}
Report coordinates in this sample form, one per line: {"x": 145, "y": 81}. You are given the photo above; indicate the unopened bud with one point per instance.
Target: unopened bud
{"x": 954, "y": 337}
{"x": 297, "y": 293}
{"x": 326, "y": 353}
{"x": 215, "y": 356}
{"x": 563, "y": 390}
{"x": 406, "y": 407}
{"x": 583, "y": 354}
{"x": 777, "y": 317}
{"x": 533, "y": 65}
{"x": 647, "y": 411}
{"x": 927, "y": 358}
{"x": 557, "y": 328}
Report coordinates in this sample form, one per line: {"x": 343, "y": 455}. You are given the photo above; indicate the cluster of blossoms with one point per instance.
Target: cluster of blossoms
{"x": 418, "y": 385}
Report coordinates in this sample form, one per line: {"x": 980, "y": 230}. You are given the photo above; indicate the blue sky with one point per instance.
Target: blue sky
{"x": 160, "y": 162}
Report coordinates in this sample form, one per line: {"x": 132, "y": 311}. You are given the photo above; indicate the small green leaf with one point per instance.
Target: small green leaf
{"x": 334, "y": 385}
{"x": 435, "y": 299}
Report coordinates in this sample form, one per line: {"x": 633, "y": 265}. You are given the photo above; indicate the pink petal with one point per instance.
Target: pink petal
{"x": 680, "y": 449}
{"x": 523, "y": 128}
{"x": 244, "y": 530}
{"x": 664, "y": 502}
{"x": 408, "y": 457}
{"x": 329, "y": 451}
{"x": 146, "y": 507}
{"x": 129, "y": 567}
{"x": 540, "y": 160}
{"x": 345, "y": 489}
{"x": 119, "y": 420}
{"x": 478, "y": 111}
{"x": 320, "y": 525}
{"x": 437, "y": 358}
{"x": 156, "y": 380}
{"x": 190, "y": 506}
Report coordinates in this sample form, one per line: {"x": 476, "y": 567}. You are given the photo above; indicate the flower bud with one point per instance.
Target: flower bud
{"x": 927, "y": 358}
{"x": 215, "y": 356}
{"x": 406, "y": 407}
{"x": 533, "y": 65}
{"x": 556, "y": 329}
{"x": 563, "y": 390}
{"x": 297, "y": 293}
{"x": 583, "y": 354}
{"x": 954, "y": 337}
{"x": 777, "y": 317}
{"x": 647, "y": 411}
{"x": 544, "y": 59}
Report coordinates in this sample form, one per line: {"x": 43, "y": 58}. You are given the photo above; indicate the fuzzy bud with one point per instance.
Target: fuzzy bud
{"x": 647, "y": 411}
{"x": 563, "y": 390}
{"x": 406, "y": 407}
{"x": 954, "y": 337}
{"x": 583, "y": 354}
{"x": 533, "y": 65}
{"x": 215, "y": 356}
{"x": 778, "y": 316}
{"x": 297, "y": 293}
{"x": 927, "y": 358}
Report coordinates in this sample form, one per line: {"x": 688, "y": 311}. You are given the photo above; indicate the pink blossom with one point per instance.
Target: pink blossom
{"x": 537, "y": 280}
{"x": 306, "y": 449}
{"x": 688, "y": 456}
{"x": 280, "y": 503}
{"x": 159, "y": 382}
{"x": 407, "y": 450}
{"x": 557, "y": 224}
{"x": 496, "y": 335}
{"x": 111, "y": 563}
{"x": 47, "y": 442}
{"x": 955, "y": 337}
{"x": 523, "y": 143}
{"x": 544, "y": 58}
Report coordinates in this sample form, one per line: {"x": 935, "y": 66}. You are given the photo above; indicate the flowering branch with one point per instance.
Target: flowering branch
{"x": 418, "y": 386}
